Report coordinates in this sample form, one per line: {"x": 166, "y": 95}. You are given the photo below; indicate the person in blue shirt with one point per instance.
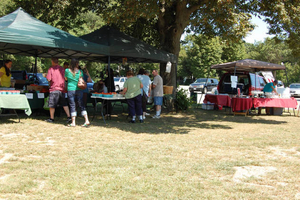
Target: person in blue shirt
{"x": 270, "y": 87}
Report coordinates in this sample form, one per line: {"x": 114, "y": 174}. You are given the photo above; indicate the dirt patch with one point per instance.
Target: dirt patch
{"x": 251, "y": 171}
{"x": 5, "y": 158}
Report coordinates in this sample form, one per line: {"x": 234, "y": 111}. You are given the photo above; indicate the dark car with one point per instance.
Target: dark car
{"x": 203, "y": 85}
{"x": 38, "y": 79}
{"x": 20, "y": 77}
{"x": 247, "y": 82}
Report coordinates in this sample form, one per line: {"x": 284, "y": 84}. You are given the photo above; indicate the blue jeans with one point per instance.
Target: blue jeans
{"x": 73, "y": 97}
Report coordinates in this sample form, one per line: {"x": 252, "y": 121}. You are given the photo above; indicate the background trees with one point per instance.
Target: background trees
{"x": 161, "y": 23}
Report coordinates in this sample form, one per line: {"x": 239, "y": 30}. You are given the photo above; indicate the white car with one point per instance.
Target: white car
{"x": 119, "y": 83}
{"x": 295, "y": 89}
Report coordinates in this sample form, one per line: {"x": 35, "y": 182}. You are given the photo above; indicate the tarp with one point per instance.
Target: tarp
{"x": 248, "y": 65}
{"x": 22, "y": 34}
{"x": 124, "y": 46}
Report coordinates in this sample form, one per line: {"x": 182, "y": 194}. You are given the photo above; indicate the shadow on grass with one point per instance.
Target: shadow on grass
{"x": 171, "y": 123}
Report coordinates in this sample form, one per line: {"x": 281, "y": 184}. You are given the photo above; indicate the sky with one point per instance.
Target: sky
{"x": 259, "y": 33}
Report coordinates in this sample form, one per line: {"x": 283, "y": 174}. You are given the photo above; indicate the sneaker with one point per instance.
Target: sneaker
{"x": 49, "y": 120}
{"x": 144, "y": 118}
{"x": 132, "y": 121}
{"x": 69, "y": 120}
{"x": 156, "y": 116}
{"x": 147, "y": 113}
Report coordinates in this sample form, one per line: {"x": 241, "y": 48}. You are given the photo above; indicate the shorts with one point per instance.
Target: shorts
{"x": 57, "y": 98}
{"x": 158, "y": 101}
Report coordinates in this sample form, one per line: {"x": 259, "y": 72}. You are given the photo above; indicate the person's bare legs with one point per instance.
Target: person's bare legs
{"x": 87, "y": 122}
{"x": 158, "y": 110}
{"x": 73, "y": 121}
{"x": 52, "y": 111}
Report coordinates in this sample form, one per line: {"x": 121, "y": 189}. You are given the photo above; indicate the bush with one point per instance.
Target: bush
{"x": 182, "y": 101}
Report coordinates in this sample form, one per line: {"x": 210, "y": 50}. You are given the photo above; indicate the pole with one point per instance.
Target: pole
{"x": 109, "y": 75}
{"x": 203, "y": 87}
{"x": 287, "y": 80}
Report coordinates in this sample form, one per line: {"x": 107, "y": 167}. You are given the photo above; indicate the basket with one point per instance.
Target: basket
{"x": 168, "y": 89}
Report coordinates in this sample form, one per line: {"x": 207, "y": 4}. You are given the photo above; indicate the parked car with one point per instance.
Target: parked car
{"x": 295, "y": 89}
{"x": 20, "y": 77}
{"x": 203, "y": 85}
{"x": 247, "y": 82}
{"x": 90, "y": 85}
{"x": 280, "y": 84}
{"x": 119, "y": 83}
{"x": 38, "y": 79}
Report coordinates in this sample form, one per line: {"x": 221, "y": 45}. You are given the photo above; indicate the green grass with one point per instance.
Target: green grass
{"x": 190, "y": 155}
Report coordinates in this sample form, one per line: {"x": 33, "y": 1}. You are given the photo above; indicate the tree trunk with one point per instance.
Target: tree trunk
{"x": 171, "y": 23}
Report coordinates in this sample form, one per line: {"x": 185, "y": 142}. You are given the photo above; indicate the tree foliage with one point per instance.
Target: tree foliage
{"x": 201, "y": 52}
{"x": 276, "y": 52}
{"x": 161, "y": 23}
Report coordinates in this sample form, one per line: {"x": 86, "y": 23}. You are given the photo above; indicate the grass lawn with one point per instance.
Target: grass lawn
{"x": 192, "y": 155}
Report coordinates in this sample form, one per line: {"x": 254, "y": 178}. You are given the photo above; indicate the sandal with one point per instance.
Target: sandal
{"x": 85, "y": 125}
{"x": 71, "y": 125}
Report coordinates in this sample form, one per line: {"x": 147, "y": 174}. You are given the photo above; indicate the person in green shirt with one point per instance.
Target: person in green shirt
{"x": 5, "y": 74}
{"x": 75, "y": 94}
{"x": 132, "y": 93}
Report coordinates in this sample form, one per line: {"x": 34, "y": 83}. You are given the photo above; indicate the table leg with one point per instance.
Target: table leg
{"x": 102, "y": 105}
{"x": 16, "y": 114}
{"x": 95, "y": 109}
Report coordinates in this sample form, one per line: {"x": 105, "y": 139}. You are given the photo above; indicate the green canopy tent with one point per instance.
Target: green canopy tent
{"x": 22, "y": 34}
{"x": 122, "y": 46}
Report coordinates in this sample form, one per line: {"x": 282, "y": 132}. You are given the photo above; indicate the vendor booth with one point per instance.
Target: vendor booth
{"x": 240, "y": 104}
{"x": 22, "y": 34}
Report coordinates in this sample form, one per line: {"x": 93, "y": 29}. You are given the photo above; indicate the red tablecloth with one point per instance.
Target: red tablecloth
{"x": 275, "y": 102}
{"x": 223, "y": 100}
{"x": 239, "y": 104}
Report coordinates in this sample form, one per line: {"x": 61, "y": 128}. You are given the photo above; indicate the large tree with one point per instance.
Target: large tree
{"x": 164, "y": 21}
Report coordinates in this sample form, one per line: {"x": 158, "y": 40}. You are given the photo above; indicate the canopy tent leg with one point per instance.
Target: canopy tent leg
{"x": 287, "y": 80}
{"x": 203, "y": 88}
{"x": 109, "y": 74}
{"x": 35, "y": 65}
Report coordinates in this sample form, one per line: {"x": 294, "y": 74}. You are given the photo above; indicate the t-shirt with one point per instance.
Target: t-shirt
{"x": 73, "y": 80}
{"x": 268, "y": 87}
{"x": 56, "y": 75}
{"x": 146, "y": 81}
{"x": 158, "y": 91}
{"x": 133, "y": 86}
{"x": 4, "y": 80}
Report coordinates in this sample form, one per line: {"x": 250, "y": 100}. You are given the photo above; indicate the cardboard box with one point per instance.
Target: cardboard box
{"x": 208, "y": 106}
{"x": 36, "y": 88}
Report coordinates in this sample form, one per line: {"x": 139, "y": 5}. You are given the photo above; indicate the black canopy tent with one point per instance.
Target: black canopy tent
{"x": 122, "y": 46}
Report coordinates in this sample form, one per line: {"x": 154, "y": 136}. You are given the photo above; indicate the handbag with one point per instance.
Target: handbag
{"x": 46, "y": 103}
{"x": 81, "y": 83}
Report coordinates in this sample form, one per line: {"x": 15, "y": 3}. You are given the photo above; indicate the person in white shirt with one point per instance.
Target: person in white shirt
{"x": 158, "y": 93}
